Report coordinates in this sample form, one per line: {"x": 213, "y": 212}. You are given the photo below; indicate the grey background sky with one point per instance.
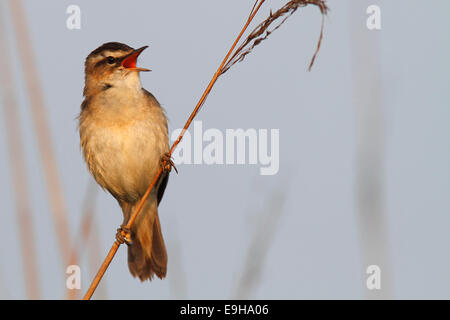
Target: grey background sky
{"x": 210, "y": 214}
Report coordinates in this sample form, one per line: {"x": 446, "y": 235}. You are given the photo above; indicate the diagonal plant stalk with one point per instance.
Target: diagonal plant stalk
{"x": 221, "y": 70}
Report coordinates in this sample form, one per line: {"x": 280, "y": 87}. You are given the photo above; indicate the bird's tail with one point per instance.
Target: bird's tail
{"x": 147, "y": 254}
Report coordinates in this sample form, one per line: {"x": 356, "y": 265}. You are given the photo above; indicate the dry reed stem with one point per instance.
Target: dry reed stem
{"x": 43, "y": 135}
{"x": 219, "y": 72}
{"x": 370, "y": 132}
{"x": 178, "y": 287}
{"x": 262, "y": 239}
{"x": 18, "y": 170}
{"x": 262, "y": 32}
{"x": 85, "y": 232}
{"x": 95, "y": 257}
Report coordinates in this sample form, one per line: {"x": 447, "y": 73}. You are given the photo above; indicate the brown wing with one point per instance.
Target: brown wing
{"x": 162, "y": 186}
{"x": 165, "y": 176}
{"x": 151, "y": 97}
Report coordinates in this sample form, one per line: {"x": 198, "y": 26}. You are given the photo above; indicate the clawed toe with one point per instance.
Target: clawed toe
{"x": 167, "y": 163}
{"x": 123, "y": 235}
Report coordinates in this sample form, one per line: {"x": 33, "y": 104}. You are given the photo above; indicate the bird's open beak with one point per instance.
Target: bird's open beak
{"x": 129, "y": 62}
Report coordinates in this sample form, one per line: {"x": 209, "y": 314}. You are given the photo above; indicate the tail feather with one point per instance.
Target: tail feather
{"x": 159, "y": 253}
{"x": 147, "y": 254}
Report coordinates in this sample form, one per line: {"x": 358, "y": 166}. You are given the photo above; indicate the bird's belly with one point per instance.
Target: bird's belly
{"x": 124, "y": 159}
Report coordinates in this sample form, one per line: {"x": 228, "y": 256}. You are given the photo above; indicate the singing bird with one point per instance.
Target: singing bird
{"x": 124, "y": 140}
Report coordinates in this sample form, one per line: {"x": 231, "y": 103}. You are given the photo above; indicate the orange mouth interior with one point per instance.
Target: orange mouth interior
{"x": 130, "y": 62}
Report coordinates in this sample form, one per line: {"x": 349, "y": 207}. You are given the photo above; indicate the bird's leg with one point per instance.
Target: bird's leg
{"x": 123, "y": 235}
{"x": 167, "y": 163}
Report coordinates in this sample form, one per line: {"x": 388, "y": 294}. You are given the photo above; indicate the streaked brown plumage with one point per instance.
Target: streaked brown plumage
{"x": 123, "y": 135}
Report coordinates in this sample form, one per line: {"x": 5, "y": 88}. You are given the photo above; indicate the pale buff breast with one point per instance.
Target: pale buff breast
{"x": 123, "y": 141}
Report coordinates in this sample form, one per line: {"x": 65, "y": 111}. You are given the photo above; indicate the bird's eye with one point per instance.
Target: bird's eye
{"x": 110, "y": 60}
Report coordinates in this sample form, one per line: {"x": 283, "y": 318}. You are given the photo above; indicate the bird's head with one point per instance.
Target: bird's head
{"x": 113, "y": 64}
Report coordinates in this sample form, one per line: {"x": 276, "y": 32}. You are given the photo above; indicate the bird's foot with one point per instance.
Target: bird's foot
{"x": 123, "y": 235}
{"x": 167, "y": 163}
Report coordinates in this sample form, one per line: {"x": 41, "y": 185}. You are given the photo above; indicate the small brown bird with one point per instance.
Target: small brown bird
{"x": 124, "y": 138}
